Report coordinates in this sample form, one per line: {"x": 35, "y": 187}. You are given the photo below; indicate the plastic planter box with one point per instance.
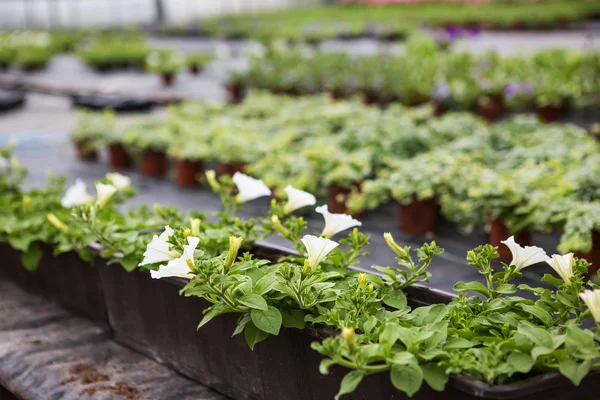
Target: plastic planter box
{"x": 65, "y": 279}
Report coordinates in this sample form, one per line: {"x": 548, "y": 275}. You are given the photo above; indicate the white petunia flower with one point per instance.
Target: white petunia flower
{"x": 591, "y": 298}
{"x": 297, "y": 199}
{"x": 249, "y": 188}
{"x": 524, "y": 256}
{"x": 563, "y": 265}
{"x": 335, "y": 223}
{"x": 317, "y": 249}
{"x": 159, "y": 250}
{"x": 179, "y": 267}
{"x": 105, "y": 192}
{"x": 77, "y": 195}
{"x": 118, "y": 180}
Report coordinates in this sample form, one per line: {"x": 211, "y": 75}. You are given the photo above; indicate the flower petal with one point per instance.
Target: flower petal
{"x": 317, "y": 249}
{"x": 76, "y": 195}
{"x": 335, "y": 223}
{"x": 297, "y": 199}
{"x": 249, "y": 188}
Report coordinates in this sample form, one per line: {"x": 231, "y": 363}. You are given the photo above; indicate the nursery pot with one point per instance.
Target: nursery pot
{"x": 153, "y": 164}
{"x": 73, "y": 283}
{"x": 235, "y": 93}
{"x": 65, "y": 279}
{"x": 371, "y": 98}
{"x": 168, "y": 79}
{"x": 337, "y": 198}
{"x": 84, "y": 153}
{"x": 140, "y": 311}
{"x": 186, "y": 173}
{"x": 141, "y": 316}
{"x": 229, "y": 168}
{"x": 118, "y": 158}
{"x": 418, "y": 217}
{"x": 499, "y": 232}
{"x": 439, "y": 109}
{"x": 593, "y": 256}
{"x": 13, "y": 270}
{"x": 492, "y": 109}
{"x": 550, "y": 114}
{"x": 194, "y": 69}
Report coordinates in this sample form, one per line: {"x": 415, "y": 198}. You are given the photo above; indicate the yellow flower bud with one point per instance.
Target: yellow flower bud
{"x": 190, "y": 264}
{"x": 278, "y": 226}
{"x": 187, "y": 232}
{"x": 394, "y": 246}
{"x": 26, "y": 203}
{"x": 371, "y": 287}
{"x": 234, "y": 246}
{"x": 211, "y": 177}
{"x": 54, "y": 220}
{"x": 195, "y": 224}
{"x": 348, "y": 335}
{"x": 362, "y": 280}
{"x": 471, "y": 255}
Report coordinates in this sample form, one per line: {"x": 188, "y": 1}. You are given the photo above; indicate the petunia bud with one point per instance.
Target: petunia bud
{"x": 278, "y": 226}
{"x": 211, "y": 177}
{"x": 348, "y": 335}
{"x": 187, "y": 232}
{"x": 195, "y": 224}
{"x": 362, "y": 280}
{"x": 234, "y": 246}
{"x": 54, "y": 220}
{"x": 26, "y": 203}
{"x": 389, "y": 239}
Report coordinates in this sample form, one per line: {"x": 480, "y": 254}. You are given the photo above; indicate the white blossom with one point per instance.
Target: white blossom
{"x": 524, "y": 256}
{"x": 159, "y": 249}
{"x": 118, "y": 180}
{"x": 317, "y": 249}
{"x": 105, "y": 192}
{"x": 4, "y": 164}
{"x": 249, "y": 188}
{"x": 591, "y": 298}
{"x": 76, "y": 195}
{"x": 563, "y": 265}
{"x": 297, "y": 199}
{"x": 179, "y": 267}
{"x": 335, "y": 223}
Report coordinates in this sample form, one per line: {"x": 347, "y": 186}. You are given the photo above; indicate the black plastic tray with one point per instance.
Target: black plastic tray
{"x": 116, "y": 103}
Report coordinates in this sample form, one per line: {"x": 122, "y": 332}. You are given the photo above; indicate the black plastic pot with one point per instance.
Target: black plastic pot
{"x": 113, "y": 102}
{"x": 11, "y": 99}
{"x": 65, "y": 279}
{"x": 151, "y": 317}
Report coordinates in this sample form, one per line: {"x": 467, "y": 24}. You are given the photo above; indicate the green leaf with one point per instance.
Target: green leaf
{"x": 435, "y": 376}
{"x": 403, "y": 358}
{"x": 254, "y": 335}
{"x": 241, "y": 325}
{"x": 574, "y": 371}
{"x": 538, "y": 336}
{"x": 268, "y": 320}
{"x": 293, "y": 318}
{"x": 129, "y": 262}
{"x": 520, "y": 362}
{"x": 31, "y": 258}
{"x": 254, "y": 301}
{"x": 476, "y": 287}
{"x": 390, "y": 334}
{"x": 539, "y": 313}
{"x": 437, "y": 312}
{"x": 215, "y": 311}
{"x": 395, "y": 299}
{"x": 407, "y": 378}
{"x": 349, "y": 383}
{"x": 458, "y": 343}
{"x": 325, "y": 365}
{"x": 265, "y": 284}
{"x": 506, "y": 288}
